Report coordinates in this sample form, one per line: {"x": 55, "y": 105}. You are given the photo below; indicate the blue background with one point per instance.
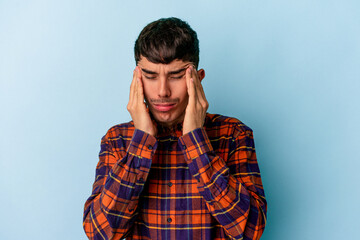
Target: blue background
{"x": 288, "y": 69}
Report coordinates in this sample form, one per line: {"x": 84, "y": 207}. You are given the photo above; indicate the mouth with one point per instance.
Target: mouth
{"x": 164, "y": 107}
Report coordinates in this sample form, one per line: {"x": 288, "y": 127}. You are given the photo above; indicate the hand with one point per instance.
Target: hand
{"x": 195, "y": 112}
{"x": 137, "y": 107}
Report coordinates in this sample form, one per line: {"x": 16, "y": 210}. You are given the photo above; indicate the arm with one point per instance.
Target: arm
{"x": 120, "y": 175}
{"x": 233, "y": 191}
{"x": 112, "y": 208}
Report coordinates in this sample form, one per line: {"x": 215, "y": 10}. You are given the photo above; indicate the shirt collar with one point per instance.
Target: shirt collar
{"x": 174, "y": 130}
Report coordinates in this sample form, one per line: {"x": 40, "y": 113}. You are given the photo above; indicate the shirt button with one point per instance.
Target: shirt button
{"x": 170, "y": 184}
{"x": 169, "y": 220}
{"x": 184, "y": 147}
{"x": 141, "y": 179}
{"x": 150, "y": 147}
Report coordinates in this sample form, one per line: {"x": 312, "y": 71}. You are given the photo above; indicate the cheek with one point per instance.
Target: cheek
{"x": 179, "y": 89}
{"x": 148, "y": 89}
{"x": 183, "y": 91}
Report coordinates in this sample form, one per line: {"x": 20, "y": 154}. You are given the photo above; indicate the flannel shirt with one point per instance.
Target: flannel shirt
{"x": 205, "y": 184}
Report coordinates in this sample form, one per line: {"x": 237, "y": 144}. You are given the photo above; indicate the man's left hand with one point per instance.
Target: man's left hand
{"x": 197, "y": 105}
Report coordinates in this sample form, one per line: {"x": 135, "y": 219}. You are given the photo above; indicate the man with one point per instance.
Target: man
{"x": 175, "y": 171}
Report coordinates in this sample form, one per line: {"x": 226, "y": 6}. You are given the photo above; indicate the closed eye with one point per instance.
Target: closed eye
{"x": 177, "y": 77}
{"x": 150, "y": 77}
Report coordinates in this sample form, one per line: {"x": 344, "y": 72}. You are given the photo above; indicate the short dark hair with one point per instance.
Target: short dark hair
{"x": 167, "y": 39}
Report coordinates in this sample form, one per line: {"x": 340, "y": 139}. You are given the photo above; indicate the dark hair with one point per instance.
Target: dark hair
{"x": 167, "y": 39}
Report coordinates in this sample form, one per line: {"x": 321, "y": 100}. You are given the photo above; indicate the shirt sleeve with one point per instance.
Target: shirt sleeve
{"x": 112, "y": 208}
{"x": 233, "y": 189}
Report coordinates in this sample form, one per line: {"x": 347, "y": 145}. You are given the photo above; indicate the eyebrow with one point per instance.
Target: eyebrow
{"x": 177, "y": 71}
{"x": 170, "y": 73}
{"x": 148, "y": 71}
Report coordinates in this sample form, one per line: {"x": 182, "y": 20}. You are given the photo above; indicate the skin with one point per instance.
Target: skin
{"x": 173, "y": 94}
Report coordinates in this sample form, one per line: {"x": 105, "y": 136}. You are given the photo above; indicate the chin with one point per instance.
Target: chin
{"x": 164, "y": 118}
{"x": 167, "y": 119}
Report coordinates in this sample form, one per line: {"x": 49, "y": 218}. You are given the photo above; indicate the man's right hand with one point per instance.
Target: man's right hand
{"x": 137, "y": 107}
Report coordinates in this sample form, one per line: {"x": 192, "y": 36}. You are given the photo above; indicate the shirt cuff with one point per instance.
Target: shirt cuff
{"x": 195, "y": 143}
{"x": 142, "y": 145}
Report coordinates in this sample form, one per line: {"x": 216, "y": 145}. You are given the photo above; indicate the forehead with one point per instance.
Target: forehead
{"x": 161, "y": 67}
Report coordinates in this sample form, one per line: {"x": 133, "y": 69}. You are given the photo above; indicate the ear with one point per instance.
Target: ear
{"x": 201, "y": 74}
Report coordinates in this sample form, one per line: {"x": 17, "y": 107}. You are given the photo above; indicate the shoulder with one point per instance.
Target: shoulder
{"x": 120, "y": 131}
{"x": 226, "y": 124}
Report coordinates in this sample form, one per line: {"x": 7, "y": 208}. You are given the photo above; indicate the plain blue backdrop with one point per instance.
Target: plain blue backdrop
{"x": 288, "y": 69}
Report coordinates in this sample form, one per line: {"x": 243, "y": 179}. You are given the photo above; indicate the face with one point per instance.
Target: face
{"x": 165, "y": 89}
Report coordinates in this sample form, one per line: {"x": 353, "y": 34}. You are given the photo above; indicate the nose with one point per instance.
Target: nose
{"x": 164, "y": 90}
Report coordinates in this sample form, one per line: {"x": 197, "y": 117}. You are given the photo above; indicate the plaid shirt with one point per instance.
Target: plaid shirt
{"x": 202, "y": 185}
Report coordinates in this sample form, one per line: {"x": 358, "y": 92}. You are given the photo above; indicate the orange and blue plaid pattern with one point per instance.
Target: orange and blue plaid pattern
{"x": 202, "y": 185}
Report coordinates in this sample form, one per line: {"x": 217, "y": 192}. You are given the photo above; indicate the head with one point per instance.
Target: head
{"x": 167, "y": 39}
{"x": 163, "y": 51}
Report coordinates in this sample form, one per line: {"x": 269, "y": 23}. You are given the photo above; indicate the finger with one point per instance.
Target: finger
{"x": 132, "y": 86}
{"x": 196, "y": 78}
{"x": 140, "y": 92}
{"x": 190, "y": 86}
{"x": 200, "y": 99}
{"x": 197, "y": 84}
{"x": 135, "y": 84}
{"x": 201, "y": 92}
{"x": 199, "y": 88}
{"x": 188, "y": 77}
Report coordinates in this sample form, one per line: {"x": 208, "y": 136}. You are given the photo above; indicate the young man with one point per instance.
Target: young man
{"x": 175, "y": 171}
